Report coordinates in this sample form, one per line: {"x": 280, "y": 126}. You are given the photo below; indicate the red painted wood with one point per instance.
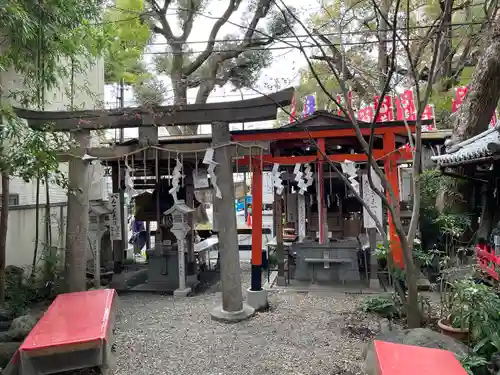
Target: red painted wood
{"x": 73, "y": 318}
{"x": 256, "y": 212}
{"x": 273, "y": 135}
{"x": 321, "y": 190}
{"x": 291, "y": 160}
{"x": 487, "y": 262}
{"x": 397, "y": 359}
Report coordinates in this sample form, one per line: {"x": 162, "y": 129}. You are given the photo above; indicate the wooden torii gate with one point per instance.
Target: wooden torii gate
{"x": 220, "y": 115}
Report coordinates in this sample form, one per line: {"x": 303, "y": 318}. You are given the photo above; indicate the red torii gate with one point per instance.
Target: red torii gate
{"x": 336, "y": 127}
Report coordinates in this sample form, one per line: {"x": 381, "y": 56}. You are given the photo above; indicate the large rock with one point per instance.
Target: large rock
{"x": 6, "y": 314}
{"x": 418, "y": 337}
{"x": 7, "y": 350}
{"x": 22, "y": 325}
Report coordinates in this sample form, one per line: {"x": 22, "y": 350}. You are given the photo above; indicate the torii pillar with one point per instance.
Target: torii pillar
{"x": 232, "y": 309}
{"x": 391, "y": 172}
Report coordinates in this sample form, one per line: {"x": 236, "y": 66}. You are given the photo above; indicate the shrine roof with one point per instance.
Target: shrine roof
{"x": 329, "y": 120}
{"x": 180, "y": 206}
{"x": 483, "y": 147}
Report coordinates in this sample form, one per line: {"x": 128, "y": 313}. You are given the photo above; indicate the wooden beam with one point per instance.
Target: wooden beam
{"x": 248, "y": 110}
{"x": 292, "y": 134}
{"x": 165, "y": 152}
{"x": 339, "y": 158}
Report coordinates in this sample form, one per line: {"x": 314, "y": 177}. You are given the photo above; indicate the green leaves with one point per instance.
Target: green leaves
{"x": 126, "y": 38}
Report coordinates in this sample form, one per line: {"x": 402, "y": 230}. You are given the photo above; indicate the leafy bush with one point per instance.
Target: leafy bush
{"x": 383, "y": 306}
{"x": 477, "y": 307}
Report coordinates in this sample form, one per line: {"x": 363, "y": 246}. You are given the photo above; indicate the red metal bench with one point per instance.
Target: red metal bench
{"x": 398, "y": 359}
{"x": 76, "y": 332}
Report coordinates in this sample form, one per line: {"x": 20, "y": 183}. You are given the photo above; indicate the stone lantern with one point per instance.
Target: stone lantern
{"x": 179, "y": 229}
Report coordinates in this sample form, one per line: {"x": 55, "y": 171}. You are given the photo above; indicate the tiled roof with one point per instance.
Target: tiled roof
{"x": 482, "y": 145}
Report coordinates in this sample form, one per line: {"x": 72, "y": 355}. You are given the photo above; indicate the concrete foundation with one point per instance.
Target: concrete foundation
{"x": 281, "y": 281}
{"x": 374, "y": 284}
{"x": 191, "y": 279}
{"x": 219, "y": 314}
{"x": 257, "y": 299}
{"x": 182, "y": 292}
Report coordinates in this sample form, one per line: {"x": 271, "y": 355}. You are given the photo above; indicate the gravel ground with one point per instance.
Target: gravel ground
{"x": 301, "y": 334}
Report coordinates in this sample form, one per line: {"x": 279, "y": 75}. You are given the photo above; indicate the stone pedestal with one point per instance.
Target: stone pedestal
{"x": 219, "y": 314}
{"x": 182, "y": 292}
{"x": 257, "y": 299}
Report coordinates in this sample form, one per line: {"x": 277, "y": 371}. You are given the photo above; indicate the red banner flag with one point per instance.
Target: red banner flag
{"x": 366, "y": 114}
{"x": 428, "y": 114}
{"x": 405, "y": 106}
{"x": 341, "y": 101}
{"x": 494, "y": 119}
{"x": 386, "y": 112}
{"x": 293, "y": 109}
{"x": 460, "y": 93}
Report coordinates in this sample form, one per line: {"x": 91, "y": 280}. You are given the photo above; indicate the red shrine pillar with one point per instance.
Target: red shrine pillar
{"x": 321, "y": 193}
{"x": 256, "y": 282}
{"x": 391, "y": 172}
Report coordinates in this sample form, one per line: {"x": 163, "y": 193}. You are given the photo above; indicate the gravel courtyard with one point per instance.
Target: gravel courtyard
{"x": 301, "y": 334}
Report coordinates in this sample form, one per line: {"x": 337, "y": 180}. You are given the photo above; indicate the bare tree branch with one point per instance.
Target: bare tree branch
{"x": 202, "y": 57}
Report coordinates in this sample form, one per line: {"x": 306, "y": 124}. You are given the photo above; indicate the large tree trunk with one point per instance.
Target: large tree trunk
{"x": 475, "y": 113}
{"x": 4, "y": 219}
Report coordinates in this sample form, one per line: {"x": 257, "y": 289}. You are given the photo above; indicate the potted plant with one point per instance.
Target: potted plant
{"x": 474, "y": 312}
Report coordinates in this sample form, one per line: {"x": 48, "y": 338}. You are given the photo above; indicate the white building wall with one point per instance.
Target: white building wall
{"x": 89, "y": 94}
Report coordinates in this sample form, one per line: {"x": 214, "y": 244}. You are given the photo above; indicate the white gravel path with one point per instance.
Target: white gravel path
{"x": 301, "y": 334}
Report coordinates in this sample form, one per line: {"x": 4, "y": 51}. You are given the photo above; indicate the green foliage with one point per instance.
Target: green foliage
{"x": 381, "y": 252}
{"x": 44, "y": 34}
{"x": 128, "y": 37}
{"x": 453, "y": 225}
{"x": 23, "y": 287}
{"x": 45, "y": 43}
{"x": 433, "y": 183}
{"x": 149, "y": 91}
{"x": 471, "y": 362}
{"x": 477, "y": 307}
{"x": 383, "y": 306}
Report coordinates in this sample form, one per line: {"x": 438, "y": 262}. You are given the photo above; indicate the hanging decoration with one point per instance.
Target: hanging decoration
{"x": 276, "y": 179}
{"x": 308, "y": 175}
{"x": 329, "y": 197}
{"x": 176, "y": 177}
{"x": 208, "y": 159}
{"x": 127, "y": 180}
{"x": 306, "y": 180}
{"x": 349, "y": 168}
{"x": 129, "y": 183}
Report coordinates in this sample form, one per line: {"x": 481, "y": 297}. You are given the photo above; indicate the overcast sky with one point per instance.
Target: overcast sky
{"x": 282, "y": 73}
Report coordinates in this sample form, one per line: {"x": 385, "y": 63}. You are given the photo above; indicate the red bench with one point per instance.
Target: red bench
{"x": 397, "y": 359}
{"x": 76, "y": 332}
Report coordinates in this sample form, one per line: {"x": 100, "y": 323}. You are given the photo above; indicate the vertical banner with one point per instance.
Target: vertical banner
{"x": 460, "y": 93}
{"x": 309, "y": 105}
{"x": 341, "y": 101}
{"x": 405, "y": 106}
{"x": 115, "y": 225}
{"x": 293, "y": 109}
{"x": 301, "y": 208}
{"x": 428, "y": 114}
{"x": 386, "y": 112}
{"x": 494, "y": 119}
{"x": 366, "y": 114}
{"x": 291, "y": 209}
{"x": 373, "y": 201}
